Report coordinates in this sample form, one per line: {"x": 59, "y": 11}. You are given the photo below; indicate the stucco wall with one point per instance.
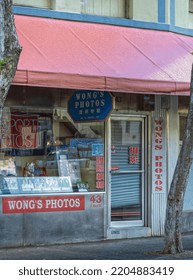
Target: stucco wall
{"x": 113, "y": 8}
{"x": 182, "y": 13}
{"x": 33, "y": 3}
{"x": 145, "y": 10}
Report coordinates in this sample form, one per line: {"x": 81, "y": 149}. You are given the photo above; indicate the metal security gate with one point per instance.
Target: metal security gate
{"x": 127, "y": 171}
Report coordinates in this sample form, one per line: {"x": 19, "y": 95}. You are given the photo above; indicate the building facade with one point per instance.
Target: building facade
{"x": 94, "y": 120}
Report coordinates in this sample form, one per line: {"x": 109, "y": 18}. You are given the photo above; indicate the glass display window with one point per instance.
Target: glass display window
{"x": 41, "y": 153}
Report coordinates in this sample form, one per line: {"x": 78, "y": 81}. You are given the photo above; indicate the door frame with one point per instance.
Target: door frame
{"x": 146, "y": 155}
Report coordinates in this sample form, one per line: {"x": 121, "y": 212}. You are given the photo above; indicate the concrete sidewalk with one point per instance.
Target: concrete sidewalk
{"x": 127, "y": 249}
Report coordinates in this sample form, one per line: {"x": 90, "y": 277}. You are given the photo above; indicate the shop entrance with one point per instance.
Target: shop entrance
{"x": 127, "y": 171}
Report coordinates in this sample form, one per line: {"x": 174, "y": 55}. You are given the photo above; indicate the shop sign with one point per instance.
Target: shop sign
{"x": 100, "y": 173}
{"x": 15, "y": 205}
{"x": 90, "y": 105}
{"x": 158, "y": 156}
{"x": 133, "y": 155}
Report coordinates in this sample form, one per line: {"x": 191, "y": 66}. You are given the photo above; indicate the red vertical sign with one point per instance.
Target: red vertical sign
{"x": 100, "y": 173}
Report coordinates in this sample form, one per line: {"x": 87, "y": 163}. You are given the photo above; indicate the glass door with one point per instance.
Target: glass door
{"x": 127, "y": 170}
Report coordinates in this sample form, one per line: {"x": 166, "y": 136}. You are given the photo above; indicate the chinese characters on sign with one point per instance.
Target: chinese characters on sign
{"x": 100, "y": 172}
{"x": 133, "y": 155}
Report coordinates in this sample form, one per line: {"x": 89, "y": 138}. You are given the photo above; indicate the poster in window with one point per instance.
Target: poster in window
{"x": 24, "y": 132}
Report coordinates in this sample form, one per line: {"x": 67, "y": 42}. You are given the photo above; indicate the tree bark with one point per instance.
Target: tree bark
{"x": 9, "y": 49}
{"x": 173, "y": 222}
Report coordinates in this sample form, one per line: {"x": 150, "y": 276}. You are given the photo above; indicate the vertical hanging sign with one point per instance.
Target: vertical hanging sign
{"x": 158, "y": 155}
{"x": 100, "y": 172}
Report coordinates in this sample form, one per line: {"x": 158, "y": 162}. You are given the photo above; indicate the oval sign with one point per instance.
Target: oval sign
{"x": 90, "y": 105}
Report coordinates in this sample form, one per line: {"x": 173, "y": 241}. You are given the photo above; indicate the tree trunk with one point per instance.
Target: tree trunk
{"x": 9, "y": 49}
{"x": 173, "y": 238}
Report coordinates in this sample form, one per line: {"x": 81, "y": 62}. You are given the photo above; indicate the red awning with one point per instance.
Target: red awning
{"x": 67, "y": 54}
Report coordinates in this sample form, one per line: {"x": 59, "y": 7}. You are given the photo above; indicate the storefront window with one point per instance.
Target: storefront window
{"x": 44, "y": 153}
